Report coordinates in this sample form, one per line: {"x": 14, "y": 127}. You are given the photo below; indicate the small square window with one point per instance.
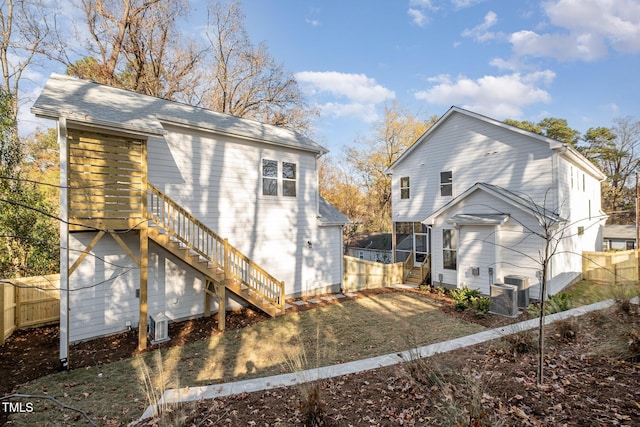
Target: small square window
{"x": 404, "y": 187}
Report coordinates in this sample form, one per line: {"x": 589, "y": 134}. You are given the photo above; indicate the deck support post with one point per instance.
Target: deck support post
{"x": 222, "y": 306}
{"x": 207, "y": 298}
{"x": 222, "y": 287}
{"x": 144, "y": 252}
{"x": 144, "y": 276}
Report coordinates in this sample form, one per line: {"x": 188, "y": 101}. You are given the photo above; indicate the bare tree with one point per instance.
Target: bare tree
{"x": 134, "y": 44}
{"x": 616, "y": 151}
{"x": 246, "y": 81}
{"x": 25, "y": 30}
{"x": 370, "y": 157}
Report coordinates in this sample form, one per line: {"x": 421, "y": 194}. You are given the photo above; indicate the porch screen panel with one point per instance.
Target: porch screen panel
{"x": 105, "y": 176}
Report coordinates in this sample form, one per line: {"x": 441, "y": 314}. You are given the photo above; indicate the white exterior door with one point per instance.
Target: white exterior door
{"x": 420, "y": 248}
{"x": 477, "y": 257}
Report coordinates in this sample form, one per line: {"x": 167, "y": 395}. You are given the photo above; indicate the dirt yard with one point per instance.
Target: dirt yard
{"x": 591, "y": 378}
{"x": 591, "y": 371}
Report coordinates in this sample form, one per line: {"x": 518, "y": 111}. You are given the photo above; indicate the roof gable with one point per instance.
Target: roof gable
{"x": 99, "y": 105}
{"x": 511, "y": 198}
{"x": 572, "y": 154}
{"x": 329, "y": 214}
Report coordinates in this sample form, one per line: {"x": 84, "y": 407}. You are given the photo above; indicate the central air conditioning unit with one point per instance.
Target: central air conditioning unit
{"x": 522, "y": 283}
{"x": 504, "y": 299}
{"x": 158, "y": 328}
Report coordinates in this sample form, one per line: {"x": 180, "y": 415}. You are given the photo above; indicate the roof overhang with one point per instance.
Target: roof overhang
{"x": 478, "y": 219}
{"x": 204, "y": 126}
{"x": 518, "y": 202}
{"x": 76, "y": 121}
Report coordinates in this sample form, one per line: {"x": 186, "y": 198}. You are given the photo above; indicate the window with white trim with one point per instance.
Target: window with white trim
{"x": 269, "y": 177}
{"x": 404, "y": 187}
{"x": 449, "y": 249}
{"x": 289, "y": 178}
{"x": 279, "y": 178}
{"x": 446, "y": 183}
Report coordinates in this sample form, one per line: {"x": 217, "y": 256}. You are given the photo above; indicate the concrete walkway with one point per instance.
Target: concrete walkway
{"x": 189, "y": 394}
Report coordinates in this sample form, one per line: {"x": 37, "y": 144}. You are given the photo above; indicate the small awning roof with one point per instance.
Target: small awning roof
{"x": 478, "y": 219}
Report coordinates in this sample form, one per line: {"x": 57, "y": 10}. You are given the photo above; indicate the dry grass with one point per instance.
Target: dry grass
{"x": 349, "y": 331}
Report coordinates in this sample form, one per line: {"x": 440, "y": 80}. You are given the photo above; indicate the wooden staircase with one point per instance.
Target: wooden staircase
{"x": 414, "y": 276}
{"x": 223, "y": 266}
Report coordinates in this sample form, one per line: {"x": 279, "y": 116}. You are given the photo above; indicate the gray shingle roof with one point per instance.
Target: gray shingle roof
{"x": 380, "y": 241}
{"x": 617, "y": 231}
{"x": 329, "y": 215}
{"x": 92, "y": 103}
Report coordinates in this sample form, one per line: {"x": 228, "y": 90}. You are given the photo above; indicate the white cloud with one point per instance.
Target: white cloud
{"x": 418, "y": 17}
{"x": 344, "y": 94}
{"x": 564, "y": 47}
{"x": 313, "y": 22}
{"x": 495, "y": 96}
{"x": 616, "y": 21}
{"x": 463, "y": 4}
{"x": 584, "y": 30}
{"x": 426, "y": 4}
{"x": 481, "y": 32}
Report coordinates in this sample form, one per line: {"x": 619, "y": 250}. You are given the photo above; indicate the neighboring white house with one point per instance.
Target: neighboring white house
{"x": 374, "y": 247}
{"x": 475, "y": 193}
{"x": 619, "y": 237}
{"x": 251, "y": 183}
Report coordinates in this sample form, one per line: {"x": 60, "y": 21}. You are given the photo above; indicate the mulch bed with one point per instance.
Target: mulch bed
{"x": 586, "y": 383}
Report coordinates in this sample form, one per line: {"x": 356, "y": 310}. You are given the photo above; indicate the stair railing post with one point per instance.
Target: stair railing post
{"x": 282, "y": 303}
{"x": 221, "y": 287}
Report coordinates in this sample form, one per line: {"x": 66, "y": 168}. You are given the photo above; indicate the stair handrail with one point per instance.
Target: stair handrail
{"x": 199, "y": 238}
{"x": 408, "y": 265}
{"x": 425, "y": 261}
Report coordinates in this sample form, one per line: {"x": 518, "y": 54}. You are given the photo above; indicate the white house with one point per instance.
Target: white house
{"x": 477, "y": 195}
{"x": 151, "y": 190}
{"x": 374, "y": 247}
{"x": 619, "y": 237}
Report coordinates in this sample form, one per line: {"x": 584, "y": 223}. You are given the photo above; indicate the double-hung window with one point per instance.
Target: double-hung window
{"x": 269, "y": 177}
{"x": 289, "y": 179}
{"x": 446, "y": 183}
{"x": 279, "y": 178}
{"x": 449, "y": 248}
{"x": 404, "y": 187}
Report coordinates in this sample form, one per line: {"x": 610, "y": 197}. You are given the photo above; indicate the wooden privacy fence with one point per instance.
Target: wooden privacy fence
{"x": 29, "y": 302}
{"x": 361, "y": 274}
{"x": 610, "y": 267}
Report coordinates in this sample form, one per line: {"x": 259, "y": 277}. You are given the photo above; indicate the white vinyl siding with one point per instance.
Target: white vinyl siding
{"x": 474, "y": 151}
{"x": 218, "y": 180}
{"x": 404, "y": 188}
{"x": 477, "y": 253}
{"x": 104, "y": 286}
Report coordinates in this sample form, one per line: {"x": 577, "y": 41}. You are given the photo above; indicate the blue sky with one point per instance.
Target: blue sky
{"x": 573, "y": 59}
